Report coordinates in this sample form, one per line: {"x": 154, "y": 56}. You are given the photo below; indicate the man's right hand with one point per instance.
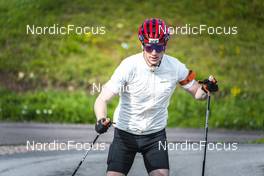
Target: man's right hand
{"x": 102, "y": 125}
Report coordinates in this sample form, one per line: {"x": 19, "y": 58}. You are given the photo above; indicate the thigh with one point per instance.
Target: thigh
{"x": 121, "y": 154}
{"x": 155, "y": 156}
{"x": 159, "y": 172}
{"x": 113, "y": 173}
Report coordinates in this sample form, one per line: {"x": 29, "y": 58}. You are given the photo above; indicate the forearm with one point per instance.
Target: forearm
{"x": 100, "y": 106}
{"x": 197, "y": 92}
{"x": 200, "y": 94}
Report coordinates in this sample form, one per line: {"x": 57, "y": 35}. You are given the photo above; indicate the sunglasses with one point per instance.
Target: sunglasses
{"x": 157, "y": 48}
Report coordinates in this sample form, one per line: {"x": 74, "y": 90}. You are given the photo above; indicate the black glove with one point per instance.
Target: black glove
{"x": 209, "y": 85}
{"x": 102, "y": 126}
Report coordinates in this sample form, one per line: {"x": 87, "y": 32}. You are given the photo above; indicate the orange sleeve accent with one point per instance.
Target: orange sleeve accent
{"x": 191, "y": 76}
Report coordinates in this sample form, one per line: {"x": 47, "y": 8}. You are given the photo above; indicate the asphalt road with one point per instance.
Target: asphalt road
{"x": 246, "y": 160}
{"x": 19, "y": 133}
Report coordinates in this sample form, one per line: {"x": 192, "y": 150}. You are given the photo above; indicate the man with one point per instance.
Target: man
{"x": 145, "y": 83}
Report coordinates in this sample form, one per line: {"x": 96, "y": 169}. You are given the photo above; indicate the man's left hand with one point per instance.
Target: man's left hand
{"x": 209, "y": 85}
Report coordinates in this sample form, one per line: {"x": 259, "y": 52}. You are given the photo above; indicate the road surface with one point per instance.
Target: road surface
{"x": 15, "y": 160}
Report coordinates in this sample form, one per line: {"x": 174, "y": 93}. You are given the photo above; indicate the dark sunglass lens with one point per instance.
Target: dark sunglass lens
{"x": 148, "y": 48}
{"x": 159, "y": 48}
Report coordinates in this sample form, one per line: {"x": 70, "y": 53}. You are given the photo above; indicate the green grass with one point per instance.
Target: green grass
{"x": 257, "y": 141}
{"x": 48, "y": 106}
{"x": 59, "y": 63}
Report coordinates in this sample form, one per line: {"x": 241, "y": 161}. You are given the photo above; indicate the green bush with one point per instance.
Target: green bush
{"x": 31, "y": 64}
{"x": 241, "y": 112}
{"x": 47, "y": 106}
{"x": 227, "y": 111}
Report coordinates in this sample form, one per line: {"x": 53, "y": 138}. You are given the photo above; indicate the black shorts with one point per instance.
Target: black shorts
{"x": 125, "y": 145}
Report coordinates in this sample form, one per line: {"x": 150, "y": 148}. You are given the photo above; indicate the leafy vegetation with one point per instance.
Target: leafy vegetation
{"x": 55, "y": 72}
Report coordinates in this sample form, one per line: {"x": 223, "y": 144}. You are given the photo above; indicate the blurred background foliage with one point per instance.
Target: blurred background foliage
{"x": 48, "y": 78}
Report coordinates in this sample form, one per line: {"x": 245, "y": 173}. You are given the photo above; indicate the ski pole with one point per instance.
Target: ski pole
{"x": 95, "y": 139}
{"x": 206, "y": 130}
{"x": 80, "y": 163}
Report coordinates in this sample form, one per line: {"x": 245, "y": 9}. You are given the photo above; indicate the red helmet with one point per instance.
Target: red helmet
{"x": 153, "y": 30}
